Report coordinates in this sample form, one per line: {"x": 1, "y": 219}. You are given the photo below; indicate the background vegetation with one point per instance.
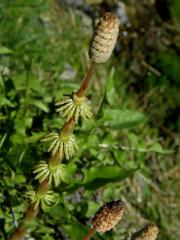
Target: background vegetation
{"x": 129, "y": 150}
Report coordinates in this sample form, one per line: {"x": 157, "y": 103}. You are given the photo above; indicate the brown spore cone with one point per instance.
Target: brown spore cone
{"x": 149, "y": 232}
{"x": 104, "y": 39}
{"x": 108, "y": 216}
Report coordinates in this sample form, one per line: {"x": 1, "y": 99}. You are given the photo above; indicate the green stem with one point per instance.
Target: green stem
{"x": 84, "y": 86}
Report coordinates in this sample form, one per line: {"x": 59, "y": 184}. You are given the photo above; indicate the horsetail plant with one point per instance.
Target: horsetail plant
{"x": 63, "y": 144}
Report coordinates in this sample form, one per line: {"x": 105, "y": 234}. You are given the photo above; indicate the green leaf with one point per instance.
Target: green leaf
{"x": 144, "y": 147}
{"x": 175, "y": 9}
{"x": 3, "y": 118}
{"x": 133, "y": 139}
{"x": 111, "y": 94}
{"x": 39, "y": 104}
{"x": 70, "y": 172}
{"x": 98, "y": 177}
{"x": 116, "y": 118}
{"x": 2, "y": 214}
{"x": 95, "y": 178}
{"x": 5, "y": 102}
{"x": 92, "y": 208}
{"x": 18, "y": 179}
{"x": 2, "y": 140}
{"x": 156, "y": 147}
{"x": 5, "y": 50}
{"x": 34, "y": 138}
{"x": 75, "y": 230}
{"x": 28, "y": 121}
{"x": 45, "y": 230}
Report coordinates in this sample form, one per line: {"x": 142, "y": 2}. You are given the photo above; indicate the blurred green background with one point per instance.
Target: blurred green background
{"x": 129, "y": 151}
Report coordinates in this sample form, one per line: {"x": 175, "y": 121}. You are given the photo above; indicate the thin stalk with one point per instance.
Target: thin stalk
{"x": 31, "y": 213}
{"x": 56, "y": 159}
{"x": 84, "y": 86}
{"x": 43, "y": 187}
{"x": 89, "y": 234}
{"x": 19, "y": 232}
{"x": 68, "y": 127}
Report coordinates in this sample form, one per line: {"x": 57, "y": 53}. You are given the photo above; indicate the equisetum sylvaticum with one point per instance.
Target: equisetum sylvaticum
{"x": 62, "y": 143}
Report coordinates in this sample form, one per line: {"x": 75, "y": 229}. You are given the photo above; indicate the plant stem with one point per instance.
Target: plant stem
{"x": 31, "y": 213}
{"x": 89, "y": 234}
{"x": 19, "y": 233}
{"x": 43, "y": 187}
{"x": 68, "y": 127}
{"x": 56, "y": 159}
{"x": 84, "y": 86}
